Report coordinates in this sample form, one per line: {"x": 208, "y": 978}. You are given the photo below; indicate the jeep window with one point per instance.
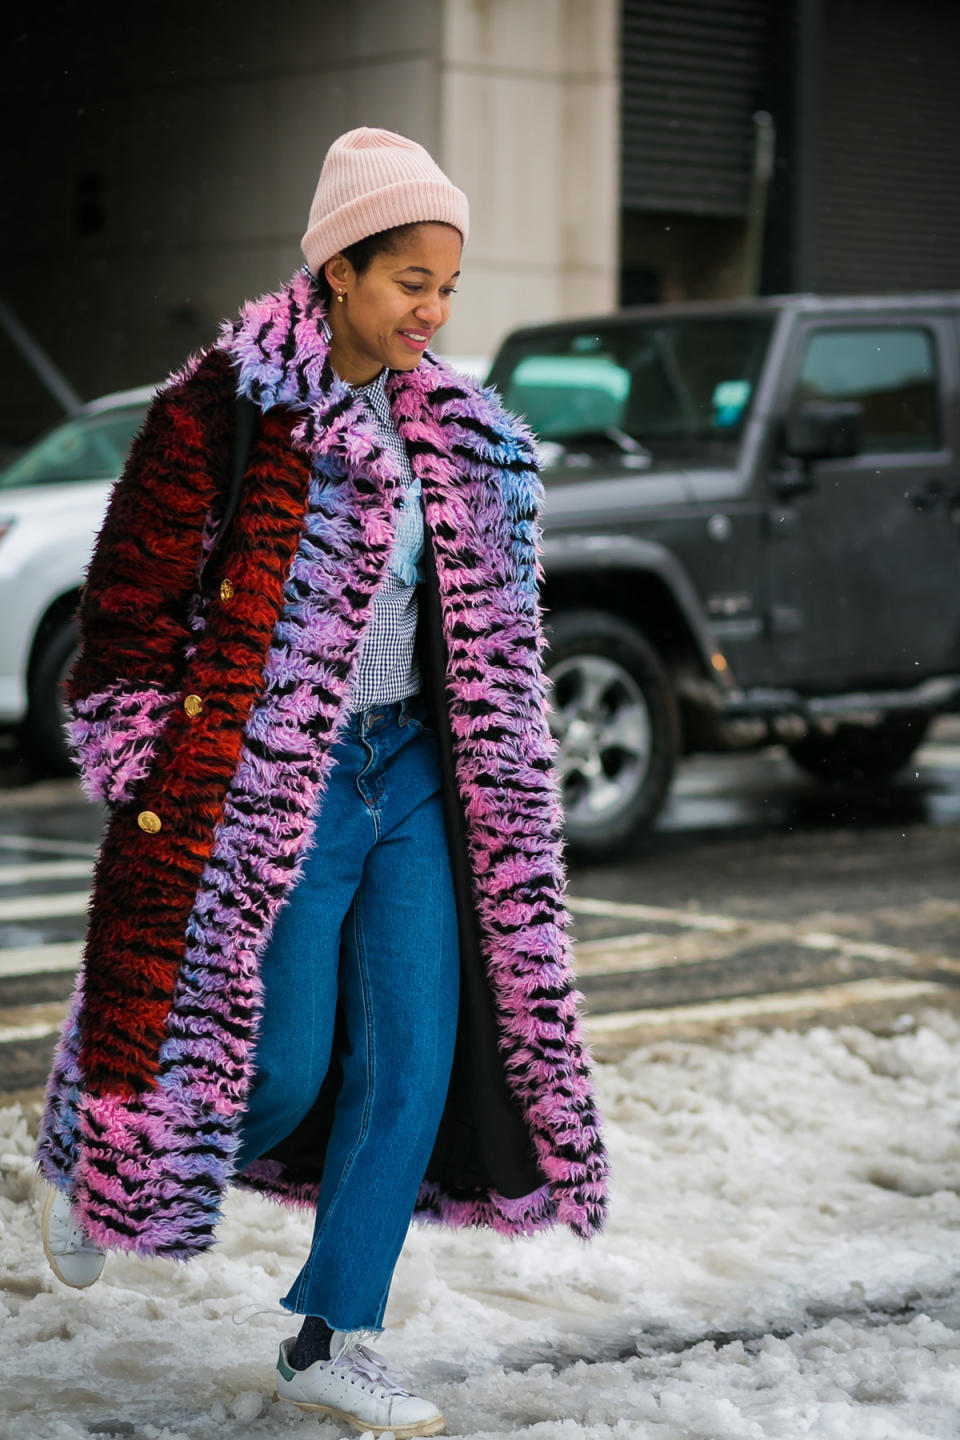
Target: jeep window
{"x": 91, "y": 447}
{"x": 891, "y": 371}
{"x": 679, "y": 383}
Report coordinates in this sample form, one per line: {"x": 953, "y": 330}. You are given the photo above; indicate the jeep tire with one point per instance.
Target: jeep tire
{"x": 42, "y": 741}
{"x": 614, "y": 715}
{"x": 859, "y": 752}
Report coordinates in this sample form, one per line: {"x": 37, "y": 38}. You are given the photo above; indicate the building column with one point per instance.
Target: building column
{"x": 530, "y": 130}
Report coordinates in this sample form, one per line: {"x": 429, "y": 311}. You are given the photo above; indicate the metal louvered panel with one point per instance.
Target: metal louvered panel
{"x": 889, "y": 202}
{"x": 692, "y": 72}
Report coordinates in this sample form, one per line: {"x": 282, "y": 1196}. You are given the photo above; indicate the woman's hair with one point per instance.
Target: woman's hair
{"x": 362, "y": 252}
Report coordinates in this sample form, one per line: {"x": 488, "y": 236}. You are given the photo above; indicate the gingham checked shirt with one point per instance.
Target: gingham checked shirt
{"x": 387, "y": 668}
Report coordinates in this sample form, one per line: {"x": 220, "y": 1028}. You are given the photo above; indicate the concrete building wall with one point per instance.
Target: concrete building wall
{"x": 529, "y": 128}
{"x": 164, "y": 166}
{"x": 164, "y": 162}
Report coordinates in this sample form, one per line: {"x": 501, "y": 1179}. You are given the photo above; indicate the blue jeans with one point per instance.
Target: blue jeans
{"x": 372, "y": 920}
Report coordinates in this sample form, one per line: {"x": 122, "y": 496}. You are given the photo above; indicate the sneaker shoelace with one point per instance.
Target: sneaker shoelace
{"x": 372, "y": 1366}
{"x": 269, "y": 1310}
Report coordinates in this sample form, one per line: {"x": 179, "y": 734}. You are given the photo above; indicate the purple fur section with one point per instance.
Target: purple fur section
{"x": 57, "y": 1147}
{"x": 113, "y": 736}
{"x": 174, "y": 1145}
{"x": 125, "y": 1197}
{"x": 494, "y": 634}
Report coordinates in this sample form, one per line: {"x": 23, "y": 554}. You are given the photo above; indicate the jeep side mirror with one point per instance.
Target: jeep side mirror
{"x": 823, "y": 431}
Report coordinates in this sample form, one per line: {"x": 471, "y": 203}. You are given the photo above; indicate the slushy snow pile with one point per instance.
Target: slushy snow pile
{"x": 781, "y": 1261}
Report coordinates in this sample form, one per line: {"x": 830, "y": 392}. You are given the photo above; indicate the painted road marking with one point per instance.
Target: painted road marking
{"x": 44, "y": 795}
{"x": 45, "y": 870}
{"x": 874, "y": 950}
{"x": 45, "y": 846}
{"x": 30, "y": 1022}
{"x": 944, "y": 756}
{"x": 16, "y": 1034}
{"x": 825, "y": 997}
{"x": 44, "y": 907}
{"x": 22, "y": 962}
{"x": 748, "y": 932}
{"x": 690, "y": 919}
{"x": 636, "y": 954}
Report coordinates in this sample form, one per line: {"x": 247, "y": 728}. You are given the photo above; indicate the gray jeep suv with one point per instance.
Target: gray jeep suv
{"x": 752, "y": 535}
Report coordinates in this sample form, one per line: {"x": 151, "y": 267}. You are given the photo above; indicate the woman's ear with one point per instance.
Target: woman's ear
{"x": 338, "y": 271}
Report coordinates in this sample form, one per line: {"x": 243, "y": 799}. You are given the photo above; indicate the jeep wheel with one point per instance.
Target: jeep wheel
{"x": 857, "y": 752}
{"x": 614, "y": 716}
{"x": 42, "y": 740}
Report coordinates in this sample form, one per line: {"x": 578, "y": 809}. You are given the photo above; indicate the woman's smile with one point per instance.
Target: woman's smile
{"x": 416, "y": 339}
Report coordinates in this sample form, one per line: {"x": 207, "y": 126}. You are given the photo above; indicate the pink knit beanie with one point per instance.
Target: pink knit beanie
{"x": 372, "y": 180}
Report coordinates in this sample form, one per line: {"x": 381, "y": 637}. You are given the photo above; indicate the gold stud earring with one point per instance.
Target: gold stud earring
{"x": 340, "y": 297}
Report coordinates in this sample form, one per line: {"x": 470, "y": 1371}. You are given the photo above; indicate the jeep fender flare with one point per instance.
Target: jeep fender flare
{"x": 609, "y": 553}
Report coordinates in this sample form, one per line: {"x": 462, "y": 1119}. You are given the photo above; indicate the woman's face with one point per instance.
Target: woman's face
{"x": 392, "y": 311}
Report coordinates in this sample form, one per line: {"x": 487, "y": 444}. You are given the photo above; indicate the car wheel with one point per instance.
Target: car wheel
{"x": 614, "y": 716}
{"x": 42, "y": 739}
{"x": 856, "y": 752}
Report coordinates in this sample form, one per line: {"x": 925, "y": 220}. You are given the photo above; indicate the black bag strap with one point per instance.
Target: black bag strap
{"x": 245, "y": 428}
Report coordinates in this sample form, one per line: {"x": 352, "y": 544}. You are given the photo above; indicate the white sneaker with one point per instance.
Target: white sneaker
{"x": 356, "y": 1388}
{"x": 73, "y": 1257}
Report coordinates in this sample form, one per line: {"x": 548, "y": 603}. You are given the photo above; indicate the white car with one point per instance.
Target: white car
{"x": 52, "y": 502}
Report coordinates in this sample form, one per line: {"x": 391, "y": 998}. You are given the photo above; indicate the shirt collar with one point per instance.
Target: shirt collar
{"x": 374, "y": 391}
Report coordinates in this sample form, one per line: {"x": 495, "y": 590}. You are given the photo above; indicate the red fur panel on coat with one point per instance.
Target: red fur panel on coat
{"x": 145, "y": 884}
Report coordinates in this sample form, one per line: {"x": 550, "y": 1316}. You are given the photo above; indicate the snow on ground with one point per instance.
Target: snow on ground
{"x": 781, "y": 1261}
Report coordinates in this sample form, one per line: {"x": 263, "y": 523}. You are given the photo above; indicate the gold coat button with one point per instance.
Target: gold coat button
{"x": 193, "y": 705}
{"x": 149, "y": 822}
{"x": 226, "y": 589}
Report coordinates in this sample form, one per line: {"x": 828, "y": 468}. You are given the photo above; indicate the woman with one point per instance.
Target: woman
{"x": 326, "y": 957}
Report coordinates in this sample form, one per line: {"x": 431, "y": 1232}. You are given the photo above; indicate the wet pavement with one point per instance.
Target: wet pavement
{"x": 762, "y": 899}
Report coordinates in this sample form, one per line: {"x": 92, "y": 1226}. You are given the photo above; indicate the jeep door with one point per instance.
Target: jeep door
{"x": 863, "y": 564}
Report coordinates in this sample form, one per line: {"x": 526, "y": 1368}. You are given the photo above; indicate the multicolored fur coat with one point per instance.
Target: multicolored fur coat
{"x": 156, "y": 1057}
